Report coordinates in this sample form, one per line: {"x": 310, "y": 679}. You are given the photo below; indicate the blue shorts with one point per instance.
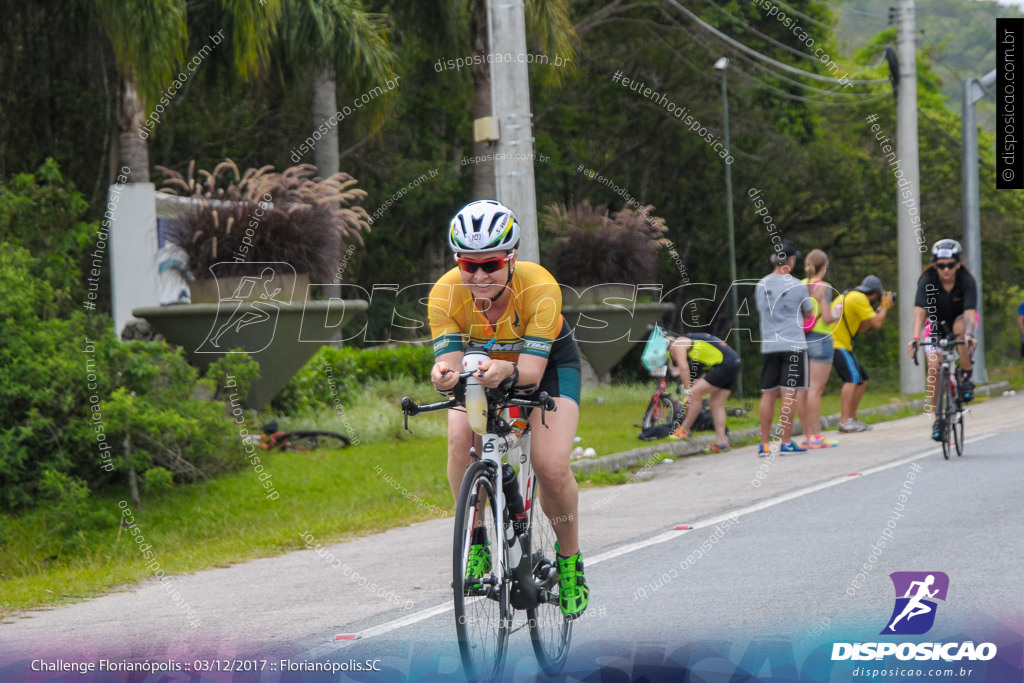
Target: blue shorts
{"x": 819, "y": 347}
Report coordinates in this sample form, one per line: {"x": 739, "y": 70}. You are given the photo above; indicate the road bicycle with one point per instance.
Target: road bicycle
{"x": 522, "y": 577}
{"x": 948, "y": 403}
{"x": 300, "y": 439}
{"x": 662, "y": 409}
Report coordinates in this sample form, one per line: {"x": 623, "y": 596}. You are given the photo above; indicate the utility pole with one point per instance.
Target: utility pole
{"x": 909, "y": 256}
{"x": 974, "y": 90}
{"x": 510, "y": 95}
{"x": 723, "y": 65}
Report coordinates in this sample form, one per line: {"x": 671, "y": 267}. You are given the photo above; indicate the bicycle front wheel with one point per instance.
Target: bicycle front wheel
{"x": 482, "y": 609}
{"x": 958, "y": 426}
{"x": 550, "y": 632}
{"x": 659, "y": 412}
{"x": 947, "y": 409}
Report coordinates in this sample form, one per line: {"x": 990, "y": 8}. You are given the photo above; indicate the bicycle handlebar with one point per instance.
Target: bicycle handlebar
{"x": 411, "y": 408}
{"x": 942, "y": 344}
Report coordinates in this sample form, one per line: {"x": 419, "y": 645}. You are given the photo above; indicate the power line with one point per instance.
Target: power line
{"x": 774, "y": 42}
{"x": 785, "y": 67}
{"x": 809, "y": 100}
{"x": 802, "y": 15}
{"x": 855, "y": 11}
{"x": 696, "y": 69}
{"x": 810, "y": 88}
{"x": 950, "y": 136}
{"x": 787, "y": 95}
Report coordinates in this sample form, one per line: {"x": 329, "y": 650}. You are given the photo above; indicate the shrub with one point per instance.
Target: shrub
{"x": 287, "y": 217}
{"x": 594, "y": 248}
{"x": 83, "y": 407}
{"x": 344, "y": 370}
{"x": 40, "y": 213}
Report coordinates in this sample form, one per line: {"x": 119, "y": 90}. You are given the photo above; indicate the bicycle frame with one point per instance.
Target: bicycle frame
{"x": 503, "y": 442}
{"x": 519, "y": 579}
{"x": 947, "y": 401}
{"x": 662, "y": 375}
{"x": 526, "y": 592}
{"x": 948, "y": 362}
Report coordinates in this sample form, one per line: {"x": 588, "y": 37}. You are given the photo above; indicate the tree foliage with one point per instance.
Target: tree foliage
{"x": 805, "y": 144}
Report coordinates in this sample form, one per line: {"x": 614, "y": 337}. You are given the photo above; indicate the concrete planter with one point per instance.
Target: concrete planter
{"x": 213, "y": 290}
{"x": 281, "y": 337}
{"x": 605, "y": 333}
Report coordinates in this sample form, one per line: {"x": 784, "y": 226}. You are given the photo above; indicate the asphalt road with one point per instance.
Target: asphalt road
{"x": 768, "y": 571}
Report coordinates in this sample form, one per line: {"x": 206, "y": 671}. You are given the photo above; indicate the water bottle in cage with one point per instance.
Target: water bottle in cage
{"x": 476, "y": 396}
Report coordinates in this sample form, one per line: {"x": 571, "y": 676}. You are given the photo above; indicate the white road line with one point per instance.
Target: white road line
{"x": 416, "y": 617}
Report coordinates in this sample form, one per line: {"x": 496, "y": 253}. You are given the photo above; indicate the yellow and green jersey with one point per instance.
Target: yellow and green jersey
{"x": 530, "y": 325}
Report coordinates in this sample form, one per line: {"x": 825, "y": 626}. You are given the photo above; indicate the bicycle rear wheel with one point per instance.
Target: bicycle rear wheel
{"x": 660, "y": 412}
{"x": 482, "y": 609}
{"x": 946, "y": 410}
{"x": 550, "y": 632}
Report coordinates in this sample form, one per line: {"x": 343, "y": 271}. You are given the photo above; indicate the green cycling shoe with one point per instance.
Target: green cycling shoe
{"x": 573, "y": 591}
{"x": 479, "y": 564}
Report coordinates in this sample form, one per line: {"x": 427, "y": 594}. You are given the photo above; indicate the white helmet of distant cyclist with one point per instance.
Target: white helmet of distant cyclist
{"x": 484, "y": 225}
{"x": 946, "y": 249}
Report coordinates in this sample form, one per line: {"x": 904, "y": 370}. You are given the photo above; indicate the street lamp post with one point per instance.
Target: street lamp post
{"x": 722, "y": 64}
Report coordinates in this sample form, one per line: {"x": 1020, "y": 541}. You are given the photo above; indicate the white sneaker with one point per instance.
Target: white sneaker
{"x": 852, "y": 425}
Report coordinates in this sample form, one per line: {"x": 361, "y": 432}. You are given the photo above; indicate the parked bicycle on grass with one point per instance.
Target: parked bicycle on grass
{"x": 300, "y": 439}
{"x": 707, "y": 368}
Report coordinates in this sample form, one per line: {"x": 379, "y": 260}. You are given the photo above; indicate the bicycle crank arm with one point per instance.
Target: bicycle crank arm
{"x": 527, "y": 592}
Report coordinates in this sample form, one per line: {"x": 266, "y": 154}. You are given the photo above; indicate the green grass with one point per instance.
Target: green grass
{"x": 331, "y": 494}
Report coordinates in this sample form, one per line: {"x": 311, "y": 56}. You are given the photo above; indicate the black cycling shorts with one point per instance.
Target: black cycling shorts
{"x": 723, "y": 375}
{"x": 562, "y": 374}
{"x": 784, "y": 370}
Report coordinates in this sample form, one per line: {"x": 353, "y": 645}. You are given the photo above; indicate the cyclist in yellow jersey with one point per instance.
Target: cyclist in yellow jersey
{"x": 723, "y": 367}
{"x": 492, "y": 296}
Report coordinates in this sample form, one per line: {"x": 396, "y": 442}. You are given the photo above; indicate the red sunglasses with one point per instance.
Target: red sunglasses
{"x": 490, "y": 265}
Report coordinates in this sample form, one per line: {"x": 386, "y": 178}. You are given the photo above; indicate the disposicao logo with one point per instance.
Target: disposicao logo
{"x": 913, "y": 615}
{"x": 916, "y": 592}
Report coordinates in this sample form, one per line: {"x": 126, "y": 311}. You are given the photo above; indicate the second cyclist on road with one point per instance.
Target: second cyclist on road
{"x": 947, "y": 298}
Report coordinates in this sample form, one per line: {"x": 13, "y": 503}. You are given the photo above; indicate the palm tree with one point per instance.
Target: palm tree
{"x": 547, "y": 21}
{"x": 324, "y": 38}
{"x": 149, "y": 38}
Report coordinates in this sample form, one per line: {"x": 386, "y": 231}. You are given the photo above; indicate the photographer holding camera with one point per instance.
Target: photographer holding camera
{"x": 856, "y": 312}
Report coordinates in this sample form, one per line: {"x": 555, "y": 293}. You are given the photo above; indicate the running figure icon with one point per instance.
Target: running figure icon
{"x": 917, "y": 595}
{"x": 240, "y": 319}
{"x": 249, "y": 307}
{"x": 915, "y": 606}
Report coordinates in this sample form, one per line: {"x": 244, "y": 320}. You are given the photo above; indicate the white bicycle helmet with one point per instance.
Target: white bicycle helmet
{"x": 946, "y": 249}
{"x": 483, "y": 225}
